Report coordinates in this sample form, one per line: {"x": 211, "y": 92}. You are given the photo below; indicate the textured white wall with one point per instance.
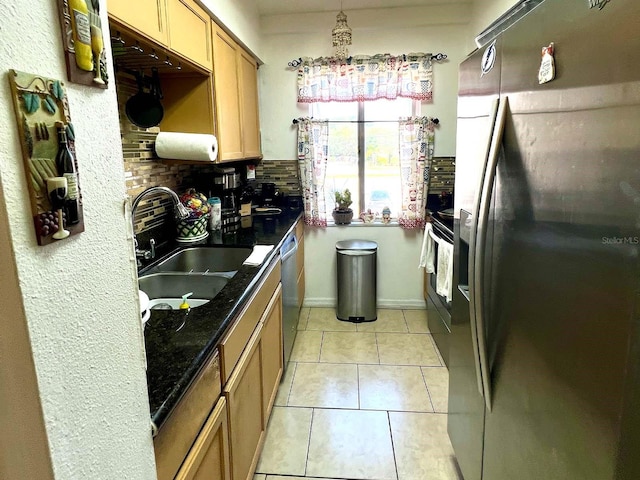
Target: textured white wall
{"x": 242, "y": 18}
{"x": 79, "y": 296}
{"x": 484, "y": 13}
{"x": 399, "y": 278}
{"x": 398, "y": 30}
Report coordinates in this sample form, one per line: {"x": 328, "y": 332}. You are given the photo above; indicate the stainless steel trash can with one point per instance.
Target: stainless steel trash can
{"x": 356, "y": 280}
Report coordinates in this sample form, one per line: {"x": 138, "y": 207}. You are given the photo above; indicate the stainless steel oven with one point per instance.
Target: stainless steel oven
{"x": 439, "y": 315}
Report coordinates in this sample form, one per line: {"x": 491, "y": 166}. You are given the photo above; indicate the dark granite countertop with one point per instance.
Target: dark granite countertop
{"x": 175, "y": 355}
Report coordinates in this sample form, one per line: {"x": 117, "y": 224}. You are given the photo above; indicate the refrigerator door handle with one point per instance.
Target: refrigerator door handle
{"x": 472, "y": 250}
{"x": 481, "y": 243}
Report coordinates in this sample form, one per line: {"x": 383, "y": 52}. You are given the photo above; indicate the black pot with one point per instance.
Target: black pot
{"x": 342, "y": 217}
{"x": 144, "y": 109}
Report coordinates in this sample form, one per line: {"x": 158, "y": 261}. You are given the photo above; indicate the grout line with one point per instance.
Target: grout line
{"x": 306, "y": 461}
{"x": 393, "y": 448}
{"x": 293, "y": 377}
{"x": 405, "y": 321}
{"x": 321, "y": 345}
{"x": 438, "y": 354}
{"x": 424, "y": 381}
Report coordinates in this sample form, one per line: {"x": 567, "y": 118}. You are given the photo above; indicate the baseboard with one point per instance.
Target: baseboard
{"x": 382, "y": 303}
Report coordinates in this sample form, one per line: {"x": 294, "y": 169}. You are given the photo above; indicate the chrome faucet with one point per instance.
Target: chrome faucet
{"x": 181, "y": 212}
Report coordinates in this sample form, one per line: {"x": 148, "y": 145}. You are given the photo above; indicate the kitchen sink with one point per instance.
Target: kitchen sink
{"x": 165, "y": 290}
{"x": 203, "y": 259}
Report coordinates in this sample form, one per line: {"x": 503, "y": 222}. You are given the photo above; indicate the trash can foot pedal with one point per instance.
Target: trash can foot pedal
{"x": 357, "y": 319}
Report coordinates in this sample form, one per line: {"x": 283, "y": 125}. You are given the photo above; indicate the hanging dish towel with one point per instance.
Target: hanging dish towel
{"x": 444, "y": 277}
{"x": 428, "y": 250}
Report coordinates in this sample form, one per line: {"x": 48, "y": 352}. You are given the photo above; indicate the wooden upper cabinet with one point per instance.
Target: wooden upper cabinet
{"x": 227, "y": 96}
{"x": 235, "y": 74}
{"x": 181, "y": 25}
{"x": 147, "y": 17}
{"x": 249, "y": 103}
{"x": 190, "y": 31}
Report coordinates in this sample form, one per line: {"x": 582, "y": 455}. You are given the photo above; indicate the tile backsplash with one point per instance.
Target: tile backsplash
{"x": 284, "y": 173}
{"x": 443, "y": 173}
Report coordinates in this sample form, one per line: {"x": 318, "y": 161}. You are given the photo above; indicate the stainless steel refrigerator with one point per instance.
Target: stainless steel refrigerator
{"x": 545, "y": 341}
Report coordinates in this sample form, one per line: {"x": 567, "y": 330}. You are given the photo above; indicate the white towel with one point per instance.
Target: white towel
{"x": 258, "y": 255}
{"x": 444, "y": 277}
{"x": 428, "y": 249}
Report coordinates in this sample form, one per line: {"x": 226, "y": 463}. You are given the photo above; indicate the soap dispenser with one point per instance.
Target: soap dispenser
{"x": 184, "y": 305}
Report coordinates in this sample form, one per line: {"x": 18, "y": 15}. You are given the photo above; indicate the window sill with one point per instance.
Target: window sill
{"x": 360, "y": 223}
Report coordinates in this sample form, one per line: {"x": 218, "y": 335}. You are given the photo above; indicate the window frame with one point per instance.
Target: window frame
{"x": 361, "y": 139}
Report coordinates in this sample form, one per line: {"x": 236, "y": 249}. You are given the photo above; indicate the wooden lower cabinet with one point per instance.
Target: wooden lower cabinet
{"x": 252, "y": 389}
{"x": 209, "y": 456}
{"x": 272, "y": 350}
{"x": 229, "y": 444}
{"x": 244, "y": 394}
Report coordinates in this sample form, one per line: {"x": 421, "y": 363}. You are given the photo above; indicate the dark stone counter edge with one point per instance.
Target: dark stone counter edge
{"x": 164, "y": 410}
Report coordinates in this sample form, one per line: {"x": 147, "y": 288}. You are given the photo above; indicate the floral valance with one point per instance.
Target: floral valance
{"x": 361, "y": 78}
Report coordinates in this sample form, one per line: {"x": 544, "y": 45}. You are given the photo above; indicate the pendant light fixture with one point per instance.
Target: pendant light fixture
{"x": 341, "y": 35}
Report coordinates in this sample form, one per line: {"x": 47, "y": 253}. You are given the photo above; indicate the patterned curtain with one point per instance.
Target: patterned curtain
{"x": 416, "y": 151}
{"x": 362, "y": 78}
{"x": 313, "y": 150}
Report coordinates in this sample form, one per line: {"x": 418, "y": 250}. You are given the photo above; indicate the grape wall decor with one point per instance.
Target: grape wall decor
{"x": 47, "y": 137}
{"x": 83, "y": 42}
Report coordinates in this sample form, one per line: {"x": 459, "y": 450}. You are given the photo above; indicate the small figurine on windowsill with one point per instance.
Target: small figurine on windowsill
{"x": 386, "y": 215}
{"x": 368, "y": 216}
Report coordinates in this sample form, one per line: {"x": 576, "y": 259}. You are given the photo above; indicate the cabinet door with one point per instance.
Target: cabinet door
{"x": 244, "y": 393}
{"x": 209, "y": 456}
{"x": 190, "y": 31}
{"x": 143, "y": 16}
{"x": 272, "y": 350}
{"x": 249, "y": 103}
{"x": 227, "y": 100}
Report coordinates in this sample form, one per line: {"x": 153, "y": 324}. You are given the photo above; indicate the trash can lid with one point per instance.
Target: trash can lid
{"x": 356, "y": 245}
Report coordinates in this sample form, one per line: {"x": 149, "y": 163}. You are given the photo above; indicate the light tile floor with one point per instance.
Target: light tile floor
{"x": 361, "y": 402}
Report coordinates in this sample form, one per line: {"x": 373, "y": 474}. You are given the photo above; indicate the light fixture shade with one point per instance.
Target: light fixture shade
{"x": 341, "y": 35}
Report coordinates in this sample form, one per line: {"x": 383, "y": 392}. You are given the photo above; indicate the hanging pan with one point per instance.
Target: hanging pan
{"x": 144, "y": 109}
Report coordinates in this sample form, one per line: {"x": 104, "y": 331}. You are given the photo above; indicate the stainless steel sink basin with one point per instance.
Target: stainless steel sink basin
{"x": 202, "y": 259}
{"x": 167, "y": 288}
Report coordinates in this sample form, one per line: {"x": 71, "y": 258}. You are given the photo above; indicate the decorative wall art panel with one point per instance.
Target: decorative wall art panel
{"x": 83, "y": 42}
{"x": 48, "y": 150}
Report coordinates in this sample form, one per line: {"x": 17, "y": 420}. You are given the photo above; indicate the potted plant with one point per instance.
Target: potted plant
{"x": 342, "y": 214}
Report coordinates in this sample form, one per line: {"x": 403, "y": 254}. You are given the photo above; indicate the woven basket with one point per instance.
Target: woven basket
{"x": 192, "y": 228}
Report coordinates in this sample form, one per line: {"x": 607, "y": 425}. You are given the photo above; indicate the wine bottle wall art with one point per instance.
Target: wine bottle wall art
{"x": 83, "y": 42}
{"x": 48, "y": 150}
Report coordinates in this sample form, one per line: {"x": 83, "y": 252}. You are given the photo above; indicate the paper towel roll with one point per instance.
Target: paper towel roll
{"x": 187, "y": 146}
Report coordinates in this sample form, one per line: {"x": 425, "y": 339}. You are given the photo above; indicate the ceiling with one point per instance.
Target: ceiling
{"x": 279, "y": 7}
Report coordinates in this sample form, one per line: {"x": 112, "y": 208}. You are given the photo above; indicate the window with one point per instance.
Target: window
{"x": 364, "y": 151}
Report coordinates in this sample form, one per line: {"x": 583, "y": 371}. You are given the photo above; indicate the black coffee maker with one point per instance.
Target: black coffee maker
{"x": 227, "y": 186}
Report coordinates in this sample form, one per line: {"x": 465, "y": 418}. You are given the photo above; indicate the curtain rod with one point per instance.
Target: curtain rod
{"x": 434, "y": 120}
{"x": 438, "y": 57}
